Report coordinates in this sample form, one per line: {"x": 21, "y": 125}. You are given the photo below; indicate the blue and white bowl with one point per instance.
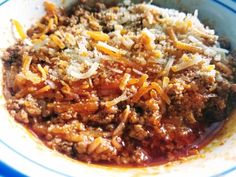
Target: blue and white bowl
{"x": 22, "y": 154}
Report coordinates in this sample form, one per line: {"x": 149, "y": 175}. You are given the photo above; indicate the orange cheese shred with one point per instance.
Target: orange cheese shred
{"x": 109, "y": 50}
{"x": 42, "y": 90}
{"x": 171, "y": 34}
{"x": 142, "y": 80}
{"x": 57, "y": 41}
{"x": 42, "y": 71}
{"x": 188, "y": 47}
{"x": 26, "y": 61}
{"x": 98, "y": 36}
{"x": 181, "y": 45}
{"x": 50, "y": 8}
{"x": 142, "y": 91}
{"x": 161, "y": 92}
{"x": 132, "y": 81}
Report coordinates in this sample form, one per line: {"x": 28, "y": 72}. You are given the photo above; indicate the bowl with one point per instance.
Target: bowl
{"x": 23, "y": 154}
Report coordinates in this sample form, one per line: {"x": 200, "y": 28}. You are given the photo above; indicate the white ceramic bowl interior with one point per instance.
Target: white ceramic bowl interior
{"x": 22, "y": 151}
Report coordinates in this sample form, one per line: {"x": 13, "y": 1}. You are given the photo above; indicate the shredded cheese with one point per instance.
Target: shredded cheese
{"x": 34, "y": 78}
{"x": 168, "y": 67}
{"x": 57, "y": 41}
{"x": 121, "y": 126}
{"x": 19, "y": 29}
{"x": 148, "y": 39}
{"x": 55, "y": 19}
{"x": 75, "y": 72}
{"x": 42, "y": 90}
{"x": 208, "y": 68}
{"x": 45, "y": 30}
{"x": 204, "y": 34}
{"x": 26, "y": 60}
{"x": 42, "y": 71}
{"x": 137, "y": 71}
{"x": 109, "y": 50}
{"x": 98, "y": 36}
{"x": 117, "y": 100}
{"x": 133, "y": 81}
{"x": 49, "y": 26}
{"x": 124, "y": 81}
{"x": 171, "y": 34}
{"x": 142, "y": 80}
{"x": 165, "y": 82}
{"x": 161, "y": 92}
{"x": 186, "y": 64}
{"x": 188, "y": 47}
{"x": 142, "y": 90}
{"x": 181, "y": 45}
{"x": 50, "y": 7}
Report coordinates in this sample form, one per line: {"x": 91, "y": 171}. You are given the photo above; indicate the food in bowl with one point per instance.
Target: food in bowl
{"x": 129, "y": 85}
